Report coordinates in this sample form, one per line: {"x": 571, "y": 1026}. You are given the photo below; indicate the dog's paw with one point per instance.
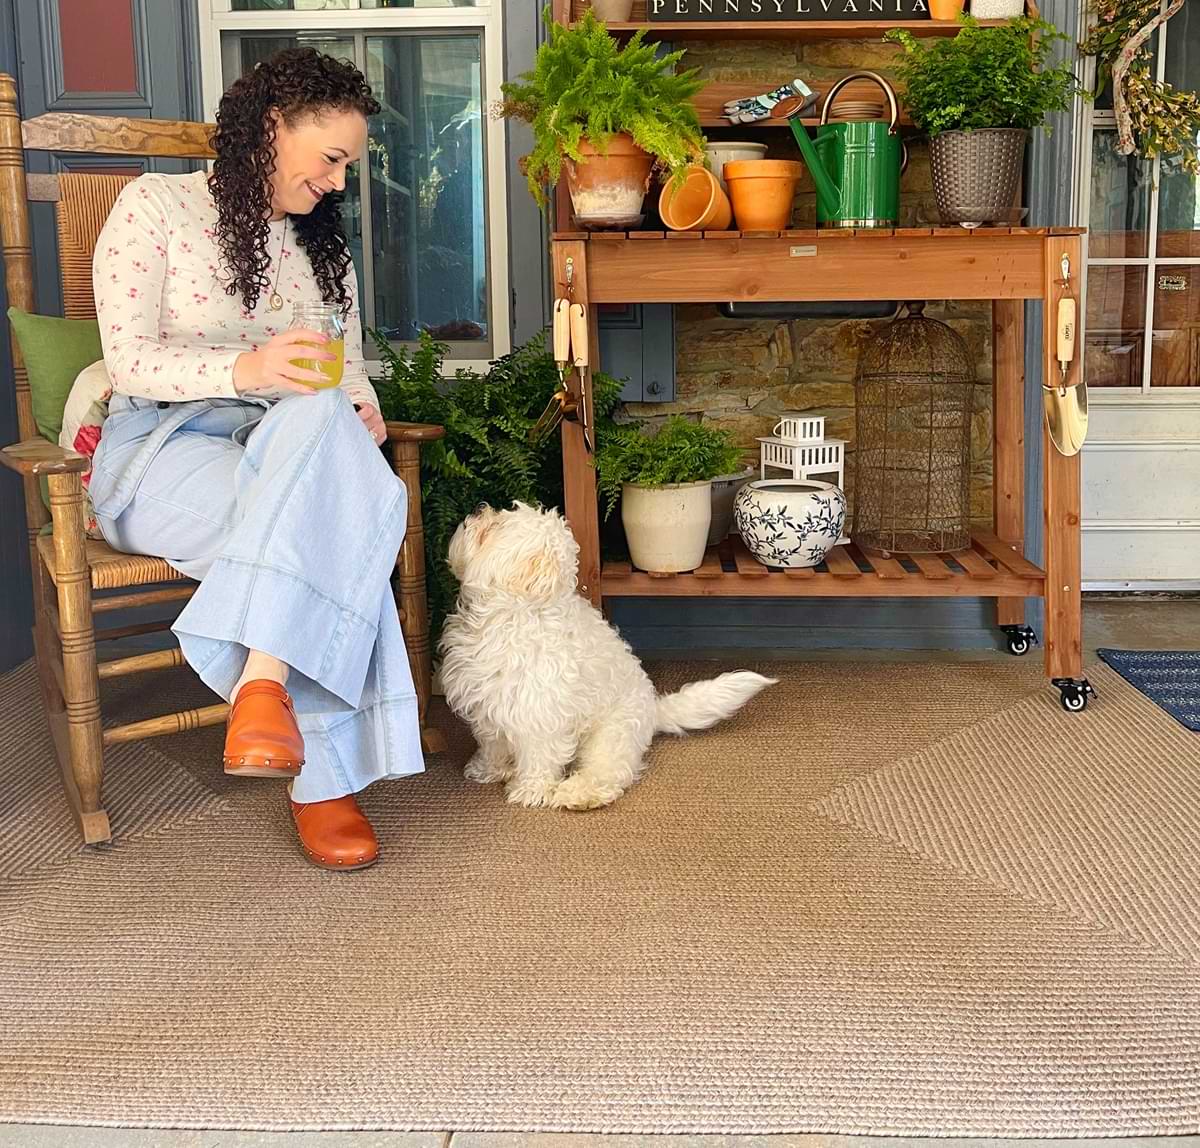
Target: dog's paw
{"x": 582, "y": 792}
{"x": 532, "y": 792}
{"x": 487, "y": 770}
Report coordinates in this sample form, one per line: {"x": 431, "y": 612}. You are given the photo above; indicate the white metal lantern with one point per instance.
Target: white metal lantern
{"x": 798, "y": 445}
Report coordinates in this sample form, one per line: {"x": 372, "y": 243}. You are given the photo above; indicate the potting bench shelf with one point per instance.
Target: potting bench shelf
{"x": 1001, "y": 264}
{"x": 710, "y": 103}
{"x": 759, "y": 29}
{"x": 989, "y": 569}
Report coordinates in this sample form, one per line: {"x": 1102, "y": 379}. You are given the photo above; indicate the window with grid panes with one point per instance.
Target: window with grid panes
{"x": 1143, "y": 299}
{"x": 420, "y": 208}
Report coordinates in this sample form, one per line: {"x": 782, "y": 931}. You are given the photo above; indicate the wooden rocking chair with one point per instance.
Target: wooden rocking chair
{"x": 68, "y": 567}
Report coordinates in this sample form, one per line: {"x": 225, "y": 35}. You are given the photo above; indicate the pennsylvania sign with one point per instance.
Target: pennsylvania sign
{"x": 731, "y": 11}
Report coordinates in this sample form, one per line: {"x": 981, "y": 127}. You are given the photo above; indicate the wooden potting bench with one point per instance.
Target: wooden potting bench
{"x": 1005, "y": 265}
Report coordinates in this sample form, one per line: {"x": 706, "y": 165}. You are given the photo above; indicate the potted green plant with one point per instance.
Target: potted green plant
{"x": 664, "y": 482}
{"x": 978, "y": 95}
{"x": 607, "y": 114}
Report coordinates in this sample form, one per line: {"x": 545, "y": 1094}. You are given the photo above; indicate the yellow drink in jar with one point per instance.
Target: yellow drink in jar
{"x": 331, "y": 370}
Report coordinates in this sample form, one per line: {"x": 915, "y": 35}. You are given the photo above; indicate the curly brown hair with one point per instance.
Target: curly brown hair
{"x": 298, "y": 82}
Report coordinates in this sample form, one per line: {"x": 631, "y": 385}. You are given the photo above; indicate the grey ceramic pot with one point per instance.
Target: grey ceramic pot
{"x": 724, "y": 491}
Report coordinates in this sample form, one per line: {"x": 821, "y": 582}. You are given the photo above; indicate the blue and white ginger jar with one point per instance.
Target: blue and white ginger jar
{"x": 789, "y": 522}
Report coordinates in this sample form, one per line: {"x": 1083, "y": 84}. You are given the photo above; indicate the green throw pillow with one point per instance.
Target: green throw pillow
{"x": 55, "y": 351}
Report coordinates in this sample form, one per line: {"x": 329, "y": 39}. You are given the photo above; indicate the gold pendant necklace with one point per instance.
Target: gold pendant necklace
{"x": 275, "y": 302}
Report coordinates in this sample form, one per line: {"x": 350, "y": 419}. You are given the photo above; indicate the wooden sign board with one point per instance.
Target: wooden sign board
{"x": 749, "y": 11}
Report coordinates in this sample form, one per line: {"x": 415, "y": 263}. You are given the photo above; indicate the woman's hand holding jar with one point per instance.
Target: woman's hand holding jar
{"x": 272, "y": 366}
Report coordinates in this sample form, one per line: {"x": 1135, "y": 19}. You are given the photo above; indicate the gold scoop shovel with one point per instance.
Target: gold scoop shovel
{"x": 1066, "y": 405}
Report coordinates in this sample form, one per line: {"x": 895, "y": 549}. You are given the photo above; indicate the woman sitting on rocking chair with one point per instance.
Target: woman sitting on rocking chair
{"x": 220, "y": 456}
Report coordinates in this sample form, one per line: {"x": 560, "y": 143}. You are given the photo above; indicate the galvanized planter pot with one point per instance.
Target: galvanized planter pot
{"x": 976, "y": 174}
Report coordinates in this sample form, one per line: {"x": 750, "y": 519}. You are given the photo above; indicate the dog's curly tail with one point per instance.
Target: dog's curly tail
{"x": 702, "y": 704}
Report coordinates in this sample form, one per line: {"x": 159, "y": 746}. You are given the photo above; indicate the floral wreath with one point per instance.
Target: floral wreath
{"x": 1152, "y": 118}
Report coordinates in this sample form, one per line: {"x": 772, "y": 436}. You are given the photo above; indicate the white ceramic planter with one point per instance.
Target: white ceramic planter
{"x": 789, "y": 522}
{"x": 667, "y": 526}
{"x": 997, "y": 9}
{"x": 723, "y": 152}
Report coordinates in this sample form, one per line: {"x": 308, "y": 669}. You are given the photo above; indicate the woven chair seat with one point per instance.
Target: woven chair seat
{"x": 110, "y": 569}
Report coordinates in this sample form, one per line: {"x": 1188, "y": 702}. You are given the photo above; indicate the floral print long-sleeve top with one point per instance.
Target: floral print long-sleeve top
{"x": 169, "y": 329}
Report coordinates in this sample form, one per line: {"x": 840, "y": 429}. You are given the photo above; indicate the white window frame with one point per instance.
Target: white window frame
{"x": 486, "y": 18}
{"x": 1092, "y": 120}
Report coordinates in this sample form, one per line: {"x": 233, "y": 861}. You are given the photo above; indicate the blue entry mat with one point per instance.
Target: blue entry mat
{"x": 1169, "y": 678}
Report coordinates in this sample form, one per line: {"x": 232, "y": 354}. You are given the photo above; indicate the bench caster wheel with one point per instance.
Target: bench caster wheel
{"x": 1020, "y": 638}
{"x": 1073, "y": 694}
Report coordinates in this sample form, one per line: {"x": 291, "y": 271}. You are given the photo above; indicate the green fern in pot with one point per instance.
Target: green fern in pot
{"x": 978, "y": 94}
{"x": 664, "y": 482}
{"x": 607, "y": 114}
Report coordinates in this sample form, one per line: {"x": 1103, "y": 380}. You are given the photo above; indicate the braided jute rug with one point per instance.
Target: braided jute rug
{"x": 915, "y": 899}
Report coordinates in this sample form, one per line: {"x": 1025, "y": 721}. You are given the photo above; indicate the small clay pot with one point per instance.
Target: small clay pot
{"x": 700, "y": 204}
{"x": 607, "y": 190}
{"x": 763, "y": 191}
{"x": 721, "y": 152}
{"x": 945, "y": 9}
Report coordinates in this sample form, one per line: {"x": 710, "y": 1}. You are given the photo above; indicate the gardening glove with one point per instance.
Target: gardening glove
{"x": 746, "y": 111}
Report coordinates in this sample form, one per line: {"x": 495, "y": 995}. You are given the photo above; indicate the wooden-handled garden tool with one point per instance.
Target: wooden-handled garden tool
{"x": 579, "y": 360}
{"x": 562, "y": 403}
{"x": 1066, "y": 404}
{"x": 570, "y": 338}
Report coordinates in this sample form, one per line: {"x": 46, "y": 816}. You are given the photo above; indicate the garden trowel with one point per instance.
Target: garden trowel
{"x": 1066, "y": 404}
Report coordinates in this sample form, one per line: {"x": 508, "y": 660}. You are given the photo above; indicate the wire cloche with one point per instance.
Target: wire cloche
{"x": 912, "y": 473}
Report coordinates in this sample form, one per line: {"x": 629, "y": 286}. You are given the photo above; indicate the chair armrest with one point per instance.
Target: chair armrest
{"x": 413, "y": 432}
{"x": 36, "y": 457}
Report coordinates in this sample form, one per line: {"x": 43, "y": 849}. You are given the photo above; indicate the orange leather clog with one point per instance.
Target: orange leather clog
{"x": 335, "y": 834}
{"x": 262, "y": 738}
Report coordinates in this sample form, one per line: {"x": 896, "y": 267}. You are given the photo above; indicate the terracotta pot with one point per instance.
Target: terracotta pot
{"x": 699, "y": 204}
{"x": 945, "y": 9}
{"x": 721, "y": 152}
{"x": 763, "y": 191}
{"x": 611, "y": 11}
{"x": 607, "y": 190}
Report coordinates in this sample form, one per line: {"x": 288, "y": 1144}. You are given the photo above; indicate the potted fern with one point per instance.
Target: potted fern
{"x": 607, "y": 114}
{"x": 664, "y": 483}
{"x": 977, "y": 95}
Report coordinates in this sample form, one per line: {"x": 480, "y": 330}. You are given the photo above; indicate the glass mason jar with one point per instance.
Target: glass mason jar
{"x": 326, "y": 319}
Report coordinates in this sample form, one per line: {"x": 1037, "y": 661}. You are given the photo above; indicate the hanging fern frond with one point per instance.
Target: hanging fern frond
{"x": 486, "y": 454}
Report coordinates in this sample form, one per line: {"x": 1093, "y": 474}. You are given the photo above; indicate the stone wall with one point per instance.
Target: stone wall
{"x": 740, "y": 374}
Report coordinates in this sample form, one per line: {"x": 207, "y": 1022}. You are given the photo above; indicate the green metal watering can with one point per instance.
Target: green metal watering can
{"x": 856, "y": 164}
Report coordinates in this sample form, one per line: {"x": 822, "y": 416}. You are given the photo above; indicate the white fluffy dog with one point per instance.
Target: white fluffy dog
{"x": 544, "y": 680}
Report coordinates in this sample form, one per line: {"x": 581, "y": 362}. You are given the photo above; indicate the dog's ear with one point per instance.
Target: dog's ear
{"x": 536, "y": 576}
{"x": 467, "y": 540}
